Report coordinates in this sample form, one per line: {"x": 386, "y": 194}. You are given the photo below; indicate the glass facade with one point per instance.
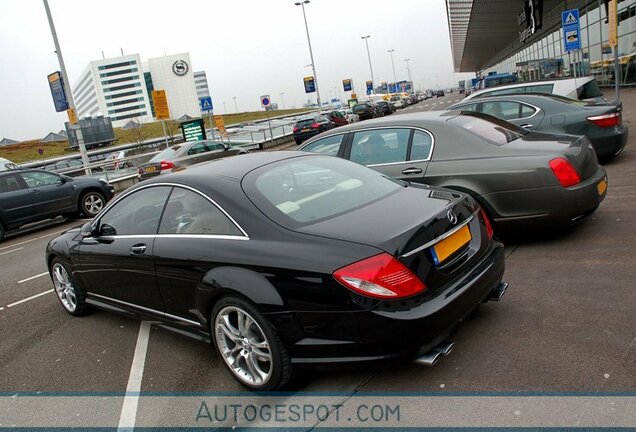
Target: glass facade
{"x": 546, "y": 57}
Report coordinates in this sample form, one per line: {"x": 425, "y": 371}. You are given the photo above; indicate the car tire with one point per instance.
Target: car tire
{"x": 298, "y": 142}
{"x": 71, "y": 295}
{"x": 254, "y": 355}
{"x": 91, "y": 203}
{"x": 3, "y": 230}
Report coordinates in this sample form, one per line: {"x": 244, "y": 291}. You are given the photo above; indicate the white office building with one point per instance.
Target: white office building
{"x": 115, "y": 88}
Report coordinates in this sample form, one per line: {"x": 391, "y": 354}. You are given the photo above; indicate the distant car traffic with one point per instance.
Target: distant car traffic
{"x": 182, "y": 155}
{"x": 438, "y": 93}
{"x": 308, "y": 126}
{"x": 28, "y": 196}
{"x": 518, "y": 176}
{"x": 284, "y": 260}
{"x": 585, "y": 88}
{"x": 602, "y": 123}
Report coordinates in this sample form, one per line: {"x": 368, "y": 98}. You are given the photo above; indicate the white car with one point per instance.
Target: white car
{"x": 6, "y": 164}
{"x": 350, "y": 115}
{"x": 397, "y": 101}
{"x": 584, "y": 88}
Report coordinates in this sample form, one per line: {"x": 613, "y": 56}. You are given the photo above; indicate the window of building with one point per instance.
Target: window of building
{"x": 118, "y": 80}
{"x": 116, "y": 65}
{"x": 121, "y": 87}
{"x": 124, "y": 102}
{"x": 119, "y": 72}
{"x": 130, "y": 108}
{"x": 127, "y": 116}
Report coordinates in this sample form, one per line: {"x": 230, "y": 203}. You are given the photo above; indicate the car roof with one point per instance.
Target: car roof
{"x": 575, "y": 81}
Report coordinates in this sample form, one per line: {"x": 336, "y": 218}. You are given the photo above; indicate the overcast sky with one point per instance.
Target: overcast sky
{"x": 248, "y": 48}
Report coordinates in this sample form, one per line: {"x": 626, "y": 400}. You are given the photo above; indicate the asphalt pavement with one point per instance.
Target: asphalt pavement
{"x": 566, "y": 324}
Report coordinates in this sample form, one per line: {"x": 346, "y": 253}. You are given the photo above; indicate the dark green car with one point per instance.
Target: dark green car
{"x": 601, "y": 122}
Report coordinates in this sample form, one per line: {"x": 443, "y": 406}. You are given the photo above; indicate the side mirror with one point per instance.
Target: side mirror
{"x": 87, "y": 230}
{"x": 226, "y": 146}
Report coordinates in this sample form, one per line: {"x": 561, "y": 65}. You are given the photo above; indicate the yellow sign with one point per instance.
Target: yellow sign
{"x": 220, "y": 124}
{"x": 354, "y": 96}
{"x": 613, "y": 23}
{"x": 72, "y": 117}
{"x": 162, "y": 112}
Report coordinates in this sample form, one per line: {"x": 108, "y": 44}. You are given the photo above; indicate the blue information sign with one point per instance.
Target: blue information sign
{"x": 57, "y": 91}
{"x": 346, "y": 84}
{"x": 206, "y": 103}
{"x": 310, "y": 84}
{"x": 571, "y": 30}
{"x": 369, "y": 87}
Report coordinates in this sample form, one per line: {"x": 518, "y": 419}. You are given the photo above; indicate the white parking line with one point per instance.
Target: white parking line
{"x": 33, "y": 277}
{"x": 29, "y": 298}
{"x": 129, "y": 409}
{"x": 32, "y": 239}
{"x": 11, "y": 251}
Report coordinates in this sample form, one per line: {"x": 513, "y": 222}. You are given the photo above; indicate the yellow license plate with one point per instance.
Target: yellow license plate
{"x": 306, "y": 130}
{"x": 450, "y": 245}
{"x": 150, "y": 169}
{"x": 601, "y": 187}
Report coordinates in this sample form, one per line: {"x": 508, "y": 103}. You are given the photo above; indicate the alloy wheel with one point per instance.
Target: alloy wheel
{"x": 93, "y": 203}
{"x": 64, "y": 287}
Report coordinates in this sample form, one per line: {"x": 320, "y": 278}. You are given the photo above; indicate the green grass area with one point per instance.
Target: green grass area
{"x": 27, "y": 151}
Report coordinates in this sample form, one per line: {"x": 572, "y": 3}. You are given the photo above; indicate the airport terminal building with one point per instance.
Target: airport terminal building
{"x": 525, "y": 37}
{"x": 121, "y": 88}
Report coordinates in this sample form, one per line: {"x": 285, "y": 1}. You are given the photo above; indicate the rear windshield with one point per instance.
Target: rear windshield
{"x": 360, "y": 107}
{"x": 489, "y": 128}
{"x": 305, "y": 122}
{"x": 301, "y": 191}
{"x": 166, "y": 154}
{"x": 589, "y": 90}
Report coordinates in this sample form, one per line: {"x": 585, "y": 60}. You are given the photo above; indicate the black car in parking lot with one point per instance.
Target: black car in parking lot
{"x": 387, "y": 107}
{"x": 309, "y": 126}
{"x": 287, "y": 259}
{"x": 28, "y": 196}
{"x": 367, "y": 110}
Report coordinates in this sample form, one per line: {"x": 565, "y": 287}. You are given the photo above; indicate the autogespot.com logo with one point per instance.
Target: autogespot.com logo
{"x": 180, "y": 68}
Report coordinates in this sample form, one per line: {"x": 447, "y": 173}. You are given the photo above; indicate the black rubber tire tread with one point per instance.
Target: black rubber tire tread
{"x": 283, "y": 369}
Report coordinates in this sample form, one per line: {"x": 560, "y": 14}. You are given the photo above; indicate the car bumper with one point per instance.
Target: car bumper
{"x": 612, "y": 144}
{"x": 302, "y": 136}
{"x": 392, "y": 332}
{"x": 148, "y": 175}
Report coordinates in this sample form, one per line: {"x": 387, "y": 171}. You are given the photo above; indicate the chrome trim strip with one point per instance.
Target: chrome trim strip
{"x": 442, "y": 237}
{"x": 197, "y": 236}
{"x": 153, "y": 311}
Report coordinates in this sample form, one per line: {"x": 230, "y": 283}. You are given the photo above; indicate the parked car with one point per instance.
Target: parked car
{"x": 187, "y": 153}
{"x": 518, "y": 176}
{"x": 438, "y": 93}
{"x": 69, "y": 167}
{"x": 584, "y": 88}
{"x": 387, "y": 108}
{"x": 366, "y": 110}
{"x": 29, "y": 195}
{"x": 6, "y": 164}
{"x": 350, "y": 115}
{"x": 311, "y": 125}
{"x": 397, "y": 101}
{"x": 336, "y": 117}
{"x": 287, "y": 259}
{"x": 601, "y": 122}
{"x": 118, "y": 160}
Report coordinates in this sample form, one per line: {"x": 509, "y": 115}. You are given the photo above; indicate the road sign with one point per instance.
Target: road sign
{"x": 369, "y": 87}
{"x": 571, "y": 30}
{"x": 347, "y": 84}
{"x": 310, "y": 84}
{"x": 162, "y": 112}
{"x": 56, "y": 83}
{"x": 613, "y": 22}
{"x": 206, "y": 103}
{"x": 265, "y": 101}
{"x": 220, "y": 124}
{"x": 193, "y": 130}
{"x": 72, "y": 117}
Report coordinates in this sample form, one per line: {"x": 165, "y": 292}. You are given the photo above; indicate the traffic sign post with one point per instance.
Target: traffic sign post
{"x": 266, "y": 102}
{"x": 612, "y": 16}
{"x": 347, "y": 84}
{"x": 162, "y": 112}
{"x": 206, "y": 105}
{"x": 310, "y": 84}
{"x": 369, "y": 87}
{"x": 56, "y": 83}
{"x": 571, "y": 30}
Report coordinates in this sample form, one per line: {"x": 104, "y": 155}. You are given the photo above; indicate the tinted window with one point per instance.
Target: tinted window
{"x": 490, "y": 129}
{"x": 328, "y": 146}
{"x": 188, "y": 212}
{"x": 214, "y": 146}
{"x": 304, "y": 123}
{"x": 589, "y": 90}
{"x": 421, "y": 146}
{"x": 136, "y": 214}
{"x": 300, "y": 191}
{"x": 165, "y": 155}
{"x": 503, "y": 110}
{"x": 469, "y": 107}
{"x": 9, "y": 183}
{"x": 507, "y": 91}
{"x": 360, "y": 108}
{"x": 197, "y": 148}
{"x": 379, "y": 146}
{"x": 527, "y": 111}
{"x": 37, "y": 179}
{"x": 540, "y": 88}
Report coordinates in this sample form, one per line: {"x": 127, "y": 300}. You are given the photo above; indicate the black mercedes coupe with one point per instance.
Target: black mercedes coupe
{"x": 287, "y": 259}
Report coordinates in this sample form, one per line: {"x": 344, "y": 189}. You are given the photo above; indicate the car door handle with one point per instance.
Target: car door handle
{"x": 138, "y": 249}
{"x": 527, "y": 126}
{"x": 408, "y": 171}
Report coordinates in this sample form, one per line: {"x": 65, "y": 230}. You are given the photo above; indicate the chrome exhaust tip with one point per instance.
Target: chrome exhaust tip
{"x": 429, "y": 359}
{"x": 445, "y": 348}
{"x": 498, "y": 292}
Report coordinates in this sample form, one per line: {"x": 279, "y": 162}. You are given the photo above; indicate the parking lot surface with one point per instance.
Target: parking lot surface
{"x": 566, "y": 324}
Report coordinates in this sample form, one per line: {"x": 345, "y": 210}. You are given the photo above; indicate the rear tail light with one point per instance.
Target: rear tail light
{"x": 381, "y": 276}
{"x": 295, "y": 129}
{"x": 166, "y": 165}
{"x": 315, "y": 125}
{"x": 484, "y": 217}
{"x": 606, "y": 120}
{"x": 565, "y": 172}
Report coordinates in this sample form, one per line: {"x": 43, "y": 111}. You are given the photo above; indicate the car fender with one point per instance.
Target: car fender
{"x": 470, "y": 189}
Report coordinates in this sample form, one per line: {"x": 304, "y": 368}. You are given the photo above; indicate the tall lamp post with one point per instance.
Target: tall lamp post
{"x": 408, "y": 70}
{"x": 235, "y": 106}
{"x": 282, "y": 95}
{"x": 393, "y": 66}
{"x": 311, "y": 53}
{"x": 366, "y": 41}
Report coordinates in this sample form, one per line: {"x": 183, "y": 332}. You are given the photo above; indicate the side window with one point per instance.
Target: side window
{"x": 9, "y": 183}
{"x": 469, "y": 107}
{"x": 511, "y": 90}
{"x": 328, "y": 146}
{"x": 527, "y": 111}
{"x": 214, "y": 146}
{"x": 136, "y": 214}
{"x": 421, "y": 146}
{"x": 197, "y": 148}
{"x": 37, "y": 179}
{"x": 379, "y": 146}
{"x": 188, "y": 212}
{"x": 540, "y": 88}
{"x": 502, "y": 110}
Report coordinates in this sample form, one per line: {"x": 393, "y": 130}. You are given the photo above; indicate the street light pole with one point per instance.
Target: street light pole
{"x": 282, "y": 95}
{"x": 311, "y": 53}
{"x": 67, "y": 86}
{"x": 366, "y": 41}
{"x": 393, "y": 66}
{"x": 408, "y": 70}
{"x": 224, "y": 109}
{"x": 235, "y": 106}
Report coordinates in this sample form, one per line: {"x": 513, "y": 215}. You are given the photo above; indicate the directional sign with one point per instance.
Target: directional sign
{"x": 347, "y": 85}
{"x": 206, "y": 103}
{"x": 310, "y": 84}
{"x": 613, "y": 23}
{"x": 265, "y": 101}
{"x": 193, "y": 130}
{"x": 220, "y": 124}
{"x": 72, "y": 117}
{"x": 162, "y": 112}
{"x": 369, "y": 87}
{"x": 57, "y": 91}
{"x": 571, "y": 30}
